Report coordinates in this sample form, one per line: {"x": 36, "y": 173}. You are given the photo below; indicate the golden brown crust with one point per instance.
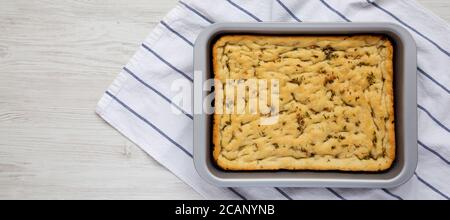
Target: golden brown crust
{"x": 390, "y": 94}
{"x": 374, "y": 53}
{"x": 217, "y": 147}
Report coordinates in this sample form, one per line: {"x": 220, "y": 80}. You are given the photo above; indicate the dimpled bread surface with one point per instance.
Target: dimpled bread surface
{"x": 336, "y": 107}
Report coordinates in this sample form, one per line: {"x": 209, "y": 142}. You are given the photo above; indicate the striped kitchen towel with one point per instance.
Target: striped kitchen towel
{"x": 139, "y": 102}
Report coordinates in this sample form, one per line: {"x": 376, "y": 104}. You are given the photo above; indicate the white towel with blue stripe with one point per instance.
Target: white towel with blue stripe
{"x": 138, "y": 103}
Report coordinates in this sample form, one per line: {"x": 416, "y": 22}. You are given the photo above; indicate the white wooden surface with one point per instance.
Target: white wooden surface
{"x": 56, "y": 58}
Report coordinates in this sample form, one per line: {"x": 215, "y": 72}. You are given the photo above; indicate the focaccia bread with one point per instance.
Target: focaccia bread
{"x": 336, "y": 107}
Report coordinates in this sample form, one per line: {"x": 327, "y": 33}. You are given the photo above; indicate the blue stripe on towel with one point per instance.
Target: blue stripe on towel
{"x": 420, "y": 70}
{"x": 434, "y": 152}
{"x": 162, "y": 134}
{"x": 149, "y": 123}
{"x": 156, "y": 91}
{"x": 411, "y": 28}
{"x": 167, "y": 63}
{"x": 431, "y": 186}
{"x": 336, "y": 194}
{"x": 289, "y": 11}
{"x": 175, "y": 32}
{"x": 283, "y": 193}
{"x": 392, "y": 194}
{"x": 197, "y": 12}
{"x": 245, "y": 11}
{"x": 432, "y": 79}
{"x": 335, "y": 11}
{"x": 432, "y": 117}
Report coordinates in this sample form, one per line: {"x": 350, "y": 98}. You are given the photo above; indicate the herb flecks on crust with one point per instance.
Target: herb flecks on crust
{"x": 336, "y": 103}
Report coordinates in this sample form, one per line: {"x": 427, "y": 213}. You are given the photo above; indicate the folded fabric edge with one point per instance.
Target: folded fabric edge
{"x": 114, "y": 88}
{"x": 121, "y": 79}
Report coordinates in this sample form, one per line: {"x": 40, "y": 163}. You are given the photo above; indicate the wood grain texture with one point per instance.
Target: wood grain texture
{"x": 57, "y": 58}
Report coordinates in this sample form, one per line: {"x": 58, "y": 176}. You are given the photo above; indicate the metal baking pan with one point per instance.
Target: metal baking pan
{"x": 405, "y": 97}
